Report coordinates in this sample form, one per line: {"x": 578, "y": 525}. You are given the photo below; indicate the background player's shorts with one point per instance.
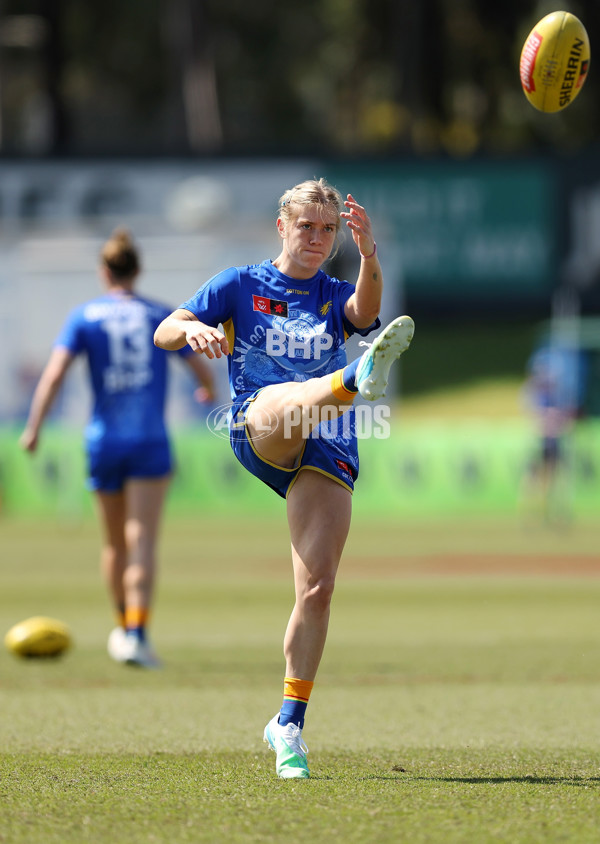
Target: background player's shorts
{"x": 336, "y": 459}
{"x": 551, "y": 450}
{"x": 109, "y": 466}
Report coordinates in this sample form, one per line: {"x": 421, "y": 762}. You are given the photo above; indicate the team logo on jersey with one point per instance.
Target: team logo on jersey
{"x": 274, "y": 307}
{"x": 324, "y": 309}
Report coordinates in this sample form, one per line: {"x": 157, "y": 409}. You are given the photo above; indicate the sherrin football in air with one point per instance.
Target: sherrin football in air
{"x": 555, "y": 60}
{"x": 38, "y": 637}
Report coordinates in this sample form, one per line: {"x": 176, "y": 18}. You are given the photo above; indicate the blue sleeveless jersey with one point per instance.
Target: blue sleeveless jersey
{"x": 128, "y": 372}
{"x": 279, "y": 328}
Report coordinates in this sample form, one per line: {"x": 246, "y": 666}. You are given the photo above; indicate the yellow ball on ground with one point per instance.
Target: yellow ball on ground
{"x": 38, "y": 636}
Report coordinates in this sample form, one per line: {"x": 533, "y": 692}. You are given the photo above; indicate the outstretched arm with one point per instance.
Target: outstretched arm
{"x": 44, "y": 395}
{"x": 363, "y": 307}
{"x": 183, "y": 327}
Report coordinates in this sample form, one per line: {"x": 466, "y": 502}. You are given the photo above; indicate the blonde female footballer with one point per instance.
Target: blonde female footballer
{"x": 284, "y": 327}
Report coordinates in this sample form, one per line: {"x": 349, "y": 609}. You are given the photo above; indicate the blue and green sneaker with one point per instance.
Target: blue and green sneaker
{"x": 374, "y": 365}
{"x": 289, "y": 747}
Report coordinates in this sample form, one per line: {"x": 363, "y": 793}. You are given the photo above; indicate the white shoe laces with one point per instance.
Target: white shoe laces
{"x": 292, "y": 735}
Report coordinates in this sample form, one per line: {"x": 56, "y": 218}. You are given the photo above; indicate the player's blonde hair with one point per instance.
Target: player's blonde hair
{"x": 120, "y": 255}
{"x": 311, "y": 192}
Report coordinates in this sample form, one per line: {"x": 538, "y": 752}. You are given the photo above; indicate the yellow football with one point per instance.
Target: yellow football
{"x": 554, "y": 62}
{"x": 38, "y": 637}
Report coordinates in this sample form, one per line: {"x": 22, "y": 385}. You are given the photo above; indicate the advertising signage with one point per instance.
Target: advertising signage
{"x": 483, "y": 230}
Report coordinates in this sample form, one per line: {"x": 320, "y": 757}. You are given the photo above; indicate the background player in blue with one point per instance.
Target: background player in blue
{"x": 129, "y": 458}
{"x": 285, "y": 323}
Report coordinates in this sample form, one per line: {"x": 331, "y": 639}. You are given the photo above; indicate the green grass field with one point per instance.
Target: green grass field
{"x": 458, "y": 699}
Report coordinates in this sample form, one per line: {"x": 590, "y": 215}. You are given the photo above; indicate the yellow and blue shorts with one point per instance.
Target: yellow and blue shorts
{"x": 326, "y": 451}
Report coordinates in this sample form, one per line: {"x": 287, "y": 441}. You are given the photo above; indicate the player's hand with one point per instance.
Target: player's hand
{"x": 205, "y": 339}
{"x": 28, "y": 440}
{"x": 359, "y": 224}
{"x": 204, "y": 395}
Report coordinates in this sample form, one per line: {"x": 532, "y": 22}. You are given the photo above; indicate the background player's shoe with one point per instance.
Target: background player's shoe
{"x": 373, "y": 369}
{"x": 130, "y": 650}
{"x": 289, "y": 747}
{"x": 116, "y": 644}
{"x": 140, "y": 654}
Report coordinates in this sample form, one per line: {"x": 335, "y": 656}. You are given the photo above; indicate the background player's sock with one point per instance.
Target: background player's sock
{"x": 295, "y": 700}
{"x": 136, "y": 619}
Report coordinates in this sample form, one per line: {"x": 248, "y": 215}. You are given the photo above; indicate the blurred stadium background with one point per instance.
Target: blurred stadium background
{"x": 185, "y": 120}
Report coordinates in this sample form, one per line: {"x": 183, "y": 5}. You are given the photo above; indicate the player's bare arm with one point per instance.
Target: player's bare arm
{"x": 205, "y": 392}
{"x": 363, "y": 307}
{"x": 183, "y": 327}
{"x": 44, "y": 396}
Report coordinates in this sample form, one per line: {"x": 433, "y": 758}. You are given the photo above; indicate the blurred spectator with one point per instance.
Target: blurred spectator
{"x": 552, "y": 398}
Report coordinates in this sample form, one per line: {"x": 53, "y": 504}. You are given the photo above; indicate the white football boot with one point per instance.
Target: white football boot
{"x": 374, "y": 367}
{"x": 289, "y": 747}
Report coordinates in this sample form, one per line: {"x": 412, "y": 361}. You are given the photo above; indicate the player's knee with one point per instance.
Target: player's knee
{"x": 135, "y": 576}
{"x": 114, "y": 552}
{"x": 318, "y": 595}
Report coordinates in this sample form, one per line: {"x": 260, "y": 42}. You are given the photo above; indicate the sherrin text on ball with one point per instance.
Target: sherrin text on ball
{"x": 555, "y": 60}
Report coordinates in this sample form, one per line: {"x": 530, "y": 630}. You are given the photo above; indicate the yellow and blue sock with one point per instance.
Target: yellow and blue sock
{"x": 343, "y": 382}
{"x": 136, "y": 619}
{"x": 295, "y": 700}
